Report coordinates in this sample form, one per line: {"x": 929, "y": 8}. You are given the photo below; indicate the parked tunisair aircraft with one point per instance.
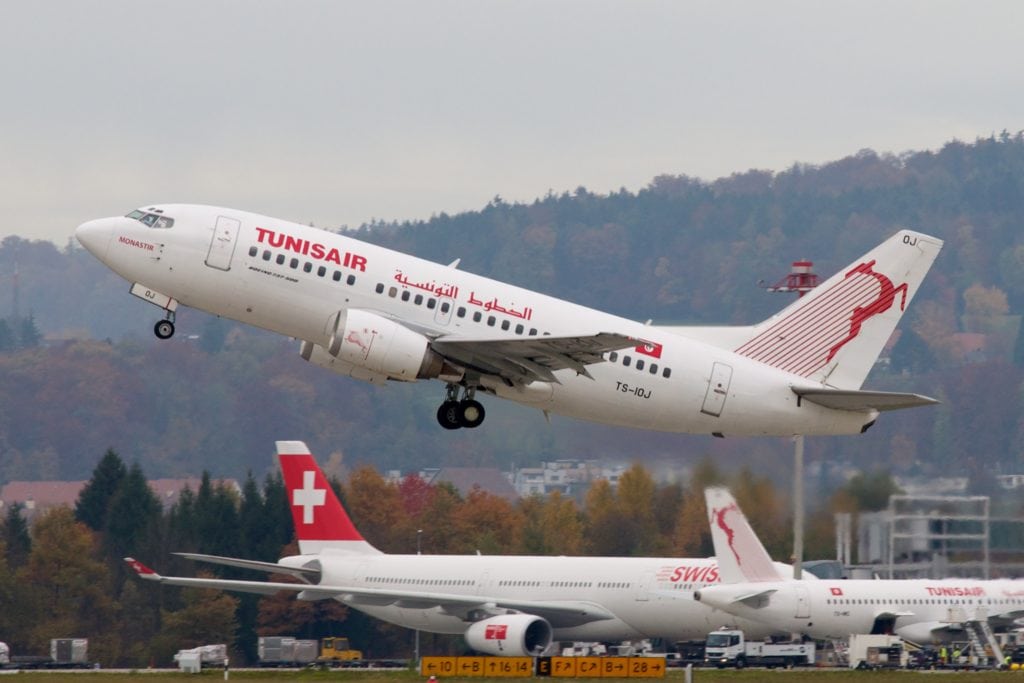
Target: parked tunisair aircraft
{"x": 920, "y": 610}
{"x": 376, "y": 315}
{"x": 502, "y": 605}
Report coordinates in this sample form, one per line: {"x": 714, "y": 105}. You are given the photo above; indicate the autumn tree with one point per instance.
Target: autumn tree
{"x": 376, "y": 509}
{"x": 70, "y": 588}
{"x": 553, "y": 525}
{"x": 207, "y": 617}
{"x": 488, "y": 524}
{"x": 634, "y": 502}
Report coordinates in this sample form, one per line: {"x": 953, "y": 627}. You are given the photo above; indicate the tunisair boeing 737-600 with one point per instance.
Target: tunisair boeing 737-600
{"x": 377, "y": 314}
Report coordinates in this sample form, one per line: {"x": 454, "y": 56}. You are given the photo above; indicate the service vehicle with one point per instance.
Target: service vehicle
{"x": 728, "y": 647}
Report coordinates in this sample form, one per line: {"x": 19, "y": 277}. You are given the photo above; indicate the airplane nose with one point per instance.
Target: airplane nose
{"x": 95, "y": 236}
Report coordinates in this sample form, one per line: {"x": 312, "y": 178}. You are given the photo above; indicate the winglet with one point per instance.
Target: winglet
{"x": 320, "y": 520}
{"x": 740, "y": 554}
{"x": 142, "y": 570}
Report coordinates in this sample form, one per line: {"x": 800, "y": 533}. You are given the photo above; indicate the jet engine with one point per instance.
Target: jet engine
{"x": 923, "y": 631}
{"x": 370, "y": 347}
{"x": 512, "y": 635}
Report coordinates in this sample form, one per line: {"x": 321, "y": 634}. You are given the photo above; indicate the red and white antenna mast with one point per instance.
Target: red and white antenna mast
{"x": 801, "y": 279}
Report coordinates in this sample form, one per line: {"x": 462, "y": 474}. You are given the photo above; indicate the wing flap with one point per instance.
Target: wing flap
{"x": 852, "y": 399}
{"x": 529, "y": 359}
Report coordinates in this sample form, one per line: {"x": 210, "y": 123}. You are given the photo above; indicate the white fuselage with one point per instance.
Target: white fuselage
{"x": 294, "y": 280}
{"x": 919, "y": 610}
{"x": 649, "y": 597}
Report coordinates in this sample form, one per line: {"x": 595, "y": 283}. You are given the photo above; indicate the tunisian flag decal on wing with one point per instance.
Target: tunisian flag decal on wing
{"x": 649, "y": 349}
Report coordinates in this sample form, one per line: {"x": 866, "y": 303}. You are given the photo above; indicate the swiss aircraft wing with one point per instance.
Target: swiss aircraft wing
{"x": 308, "y": 573}
{"x": 528, "y": 359}
{"x": 560, "y": 614}
{"x": 847, "y": 399}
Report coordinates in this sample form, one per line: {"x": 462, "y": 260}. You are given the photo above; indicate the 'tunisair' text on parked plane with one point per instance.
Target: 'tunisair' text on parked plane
{"x": 502, "y": 605}
{"x": 921, "y": 610}
{"x": 377, "y": 315}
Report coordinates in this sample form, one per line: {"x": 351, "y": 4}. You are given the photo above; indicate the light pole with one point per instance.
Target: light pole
{"x": 416, "y": 649}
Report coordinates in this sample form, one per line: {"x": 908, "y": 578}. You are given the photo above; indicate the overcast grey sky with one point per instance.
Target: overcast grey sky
{"x": 336, "y": 112}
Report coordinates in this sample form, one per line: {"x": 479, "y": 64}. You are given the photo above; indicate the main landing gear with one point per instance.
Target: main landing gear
{"x": 164, "y": 329}
{"x": 454, "y": 413}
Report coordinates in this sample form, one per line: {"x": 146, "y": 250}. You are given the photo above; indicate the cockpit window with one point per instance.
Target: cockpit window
{"x": 153, "y": 220}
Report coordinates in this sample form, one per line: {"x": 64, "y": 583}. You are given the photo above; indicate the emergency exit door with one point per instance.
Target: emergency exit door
{"x": 718, "y": 389}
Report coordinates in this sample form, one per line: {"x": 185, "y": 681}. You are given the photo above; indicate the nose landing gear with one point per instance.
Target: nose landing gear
{"x": 453, "y": 413}
{"x": 164, "y": 329}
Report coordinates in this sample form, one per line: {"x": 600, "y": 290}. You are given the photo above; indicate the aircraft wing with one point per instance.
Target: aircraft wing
{"x": 308, "y": 573}
{"x": 853, "y": 399}
{"x": 528, "y": 359}
{"x": 560, "y": 614}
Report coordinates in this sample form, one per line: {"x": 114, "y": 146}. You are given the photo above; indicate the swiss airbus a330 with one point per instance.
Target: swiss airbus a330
{"x": 502, "y": 604}
{"x": 376, "y": 315}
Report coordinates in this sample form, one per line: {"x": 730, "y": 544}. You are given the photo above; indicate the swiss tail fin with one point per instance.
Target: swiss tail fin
{"x": 740, "y": 555}
{"x": 321, "y": 523}
{"x": 834, "y": 334}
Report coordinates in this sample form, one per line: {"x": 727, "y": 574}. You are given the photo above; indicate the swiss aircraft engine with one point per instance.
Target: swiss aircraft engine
{"x": 512, "y": 635}
{"x": 369, "y": 347}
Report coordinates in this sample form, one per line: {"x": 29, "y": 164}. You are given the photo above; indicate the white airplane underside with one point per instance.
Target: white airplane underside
{"x": 379, "y": 315}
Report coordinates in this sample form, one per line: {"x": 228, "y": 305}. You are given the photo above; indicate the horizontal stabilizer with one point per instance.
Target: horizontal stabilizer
{"x": 854, "y": 399}
{"x": 756, "y": 598}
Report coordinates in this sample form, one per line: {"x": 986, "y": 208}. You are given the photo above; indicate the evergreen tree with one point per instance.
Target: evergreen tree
{"x": 8, "y": 342}
{"x": 133, "y": 519}
{"x": 94, "y": 500}
{"x": 29, "y": 335}
{"x": 15, "y": 537}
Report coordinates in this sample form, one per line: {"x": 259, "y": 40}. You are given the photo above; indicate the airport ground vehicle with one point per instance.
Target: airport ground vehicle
{"x": 728, "y": 647}
{"x": 287, "y": 651}
{"x": 65, "y": 653}
{"x": 877, "y": 652}
{"x": 338, "y": 652}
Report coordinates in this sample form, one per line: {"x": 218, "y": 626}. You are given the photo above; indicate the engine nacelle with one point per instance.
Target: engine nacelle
{"x": 381, "y": 347}
{"x": 922, "y": 631}
{"x": 317, "y": 355}
{"x": 512, "y": 635}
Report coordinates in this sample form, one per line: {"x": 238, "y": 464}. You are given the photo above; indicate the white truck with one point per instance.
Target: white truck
{"x": 728, "y": 647}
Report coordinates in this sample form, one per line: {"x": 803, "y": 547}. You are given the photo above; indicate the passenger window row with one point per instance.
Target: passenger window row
{"x": 640, "y": 364}
{"x": 460, "y": 311}
{"x": 306, "y": 266}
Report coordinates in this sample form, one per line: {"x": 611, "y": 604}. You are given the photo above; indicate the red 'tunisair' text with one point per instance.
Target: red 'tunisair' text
{"x": 955, "y": 591}
{"x": 315, "y": 250}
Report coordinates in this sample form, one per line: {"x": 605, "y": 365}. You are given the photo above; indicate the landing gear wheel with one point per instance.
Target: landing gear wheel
{"x": 448, "y": 415}
{"x": 164, "y": 329}
{"x": 471, "y": 413}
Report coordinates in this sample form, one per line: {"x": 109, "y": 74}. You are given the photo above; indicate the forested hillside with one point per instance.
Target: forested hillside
{"x": 681, "y": 250}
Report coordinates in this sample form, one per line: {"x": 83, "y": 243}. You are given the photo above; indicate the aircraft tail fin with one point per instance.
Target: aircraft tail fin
{"x": 834, "y": 334}
{"x": 321, "y": 522}
{"x": 741, "y": 557}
